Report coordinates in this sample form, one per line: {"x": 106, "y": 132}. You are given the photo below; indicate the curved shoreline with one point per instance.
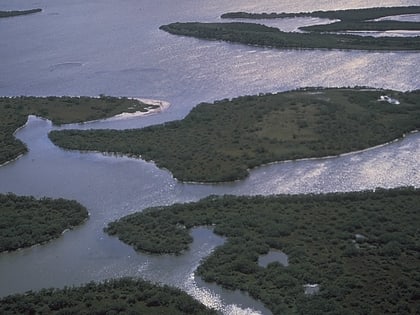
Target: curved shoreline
{"x": 212, "y": 135}
{"x": 121, "y": 155}
{"x": 162, "y": 106}
{"x": 14, "y": 135}
{"x": 48, "y": 241}
{"x": 297, "y": 160}
{"x": 30, "y": 222}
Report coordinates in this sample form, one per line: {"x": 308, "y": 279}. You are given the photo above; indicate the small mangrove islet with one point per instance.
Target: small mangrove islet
{"x": 222, "y": 141}
{"x": 5, "y": 14}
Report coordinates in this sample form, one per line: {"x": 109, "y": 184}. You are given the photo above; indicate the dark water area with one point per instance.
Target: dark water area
{"x": 115, "y": 48}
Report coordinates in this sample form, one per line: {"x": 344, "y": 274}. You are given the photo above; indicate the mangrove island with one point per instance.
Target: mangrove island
{"x": 4, "y": 14}
{"x": 315, "y": 36}
{"x": 222, "y": 141}
{"x": 361, "y": 249}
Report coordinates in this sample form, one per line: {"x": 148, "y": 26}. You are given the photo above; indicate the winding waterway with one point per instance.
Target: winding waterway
{"x": 115, "y": 48}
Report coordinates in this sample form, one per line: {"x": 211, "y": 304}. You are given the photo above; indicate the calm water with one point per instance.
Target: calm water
{"x": 115, "y": 48}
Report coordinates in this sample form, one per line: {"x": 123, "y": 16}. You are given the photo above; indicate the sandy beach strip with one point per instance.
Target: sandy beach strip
{"x": 162, "y": 105}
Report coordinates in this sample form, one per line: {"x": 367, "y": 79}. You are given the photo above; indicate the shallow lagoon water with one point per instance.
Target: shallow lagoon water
{"x": 115, "y": 48}
{"x": 273, "y": 256}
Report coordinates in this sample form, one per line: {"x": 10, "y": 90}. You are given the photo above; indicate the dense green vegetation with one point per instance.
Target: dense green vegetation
{"x": 344, "y": 15}
{"x": 4, "y": 14}
{"x": 26, "y": 221}
{"x": 362, "y": 248}
{"x": 261, "y": 35}
{"x": 221, "y": 141}
{"x": 15, "y": 110}
{"x": 364, "y": 26}
{"x": 350, "y": 20}
{"x": 123, "y": 296}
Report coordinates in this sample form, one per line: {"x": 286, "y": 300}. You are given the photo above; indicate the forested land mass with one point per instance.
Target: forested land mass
{"x": 343, "y": 15}
{"x": 4, "y": 14}
{"x": 221, "y": 141}
{"x": 122, "y": 296}
{"x": 349, "y": 20}
{"x": 361, "y": 248}
{"x": 26, "y": 221}
{"x": 316, "y": 36}
{"x": 14, "y": 112}
{"x": 265, "y": 36}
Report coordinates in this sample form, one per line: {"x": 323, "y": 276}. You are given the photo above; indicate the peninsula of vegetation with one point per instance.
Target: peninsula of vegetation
{"x": 316, "y": 36}
{"x": 123, "y": 296}
{"x": 14, "y": 112}
{"x": 26, "y": 221}
{"x": 222, "y": 141}
{"x": 349, "y": 20}
{"x": 4, "y": 14}
{"x": 360, "y": 248}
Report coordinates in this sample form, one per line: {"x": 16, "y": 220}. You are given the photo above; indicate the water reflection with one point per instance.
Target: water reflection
{"x": 115, "y": 48}
{"x": 112, "y": 187}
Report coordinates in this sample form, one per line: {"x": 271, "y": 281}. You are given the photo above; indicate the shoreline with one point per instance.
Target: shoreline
{"x": 14, "y": 135}
{"x": 139, "y": 157}
{"x": 296, "y": 160}
{"x": 162, "y": 106}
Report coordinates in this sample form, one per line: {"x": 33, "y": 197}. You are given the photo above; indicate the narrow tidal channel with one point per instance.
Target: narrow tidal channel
{"x": 116, "y": 48}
